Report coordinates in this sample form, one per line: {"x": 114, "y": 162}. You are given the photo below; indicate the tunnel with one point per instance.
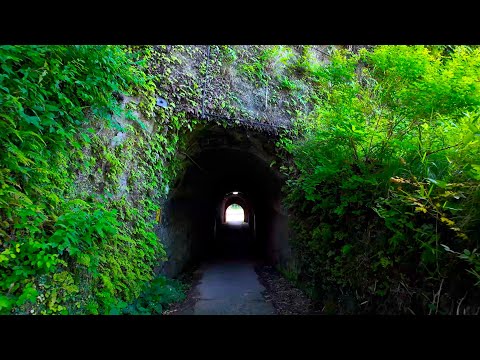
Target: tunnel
{"x": 225, "y": 166}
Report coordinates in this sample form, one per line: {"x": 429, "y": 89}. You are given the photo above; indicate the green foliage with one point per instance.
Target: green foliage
{"x": 287, "y": 84}
{"x": 260, "y": 68}
{"x": 306, "y": 63}
{"x": 155, "y": 297}
{"x": 61, "y": 250}
{"x": 386, "y": 171}
{"x": 229, "y": 54}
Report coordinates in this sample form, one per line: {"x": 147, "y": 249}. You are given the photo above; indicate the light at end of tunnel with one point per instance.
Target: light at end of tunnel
{"x": 235, "y": 193}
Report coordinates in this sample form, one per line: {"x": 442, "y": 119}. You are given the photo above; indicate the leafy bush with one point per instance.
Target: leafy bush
{"x": 385, "y": 189}
{"x": 157, "y": 294}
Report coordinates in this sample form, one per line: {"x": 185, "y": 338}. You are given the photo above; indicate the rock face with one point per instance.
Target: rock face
{"x": 118, "y": 139}
{"x": 261, "y": 83}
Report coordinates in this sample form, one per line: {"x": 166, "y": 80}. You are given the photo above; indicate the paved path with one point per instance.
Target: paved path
{"x": 230, "y": 288}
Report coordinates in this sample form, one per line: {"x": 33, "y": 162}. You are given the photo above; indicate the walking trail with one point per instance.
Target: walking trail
{"x": 230, "y": 288}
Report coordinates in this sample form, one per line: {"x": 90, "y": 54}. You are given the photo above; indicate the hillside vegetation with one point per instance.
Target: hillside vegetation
{"x": 382, "y": 161}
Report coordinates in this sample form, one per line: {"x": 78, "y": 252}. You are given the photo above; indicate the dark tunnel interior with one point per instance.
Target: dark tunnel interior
{"x": 227, "y": 167}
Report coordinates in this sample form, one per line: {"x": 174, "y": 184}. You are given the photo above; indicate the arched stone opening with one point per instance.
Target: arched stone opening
{"x": 226, "y": 166}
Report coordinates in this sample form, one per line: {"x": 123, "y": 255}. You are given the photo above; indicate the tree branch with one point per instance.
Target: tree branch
{"x": 445, "y": 148}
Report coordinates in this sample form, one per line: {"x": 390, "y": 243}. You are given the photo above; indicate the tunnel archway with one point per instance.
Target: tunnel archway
{"x": 226, "y": 166}
{"x": 240, "y": 199}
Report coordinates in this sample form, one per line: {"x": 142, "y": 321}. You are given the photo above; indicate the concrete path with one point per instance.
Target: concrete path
{"x": 230, "y": 288}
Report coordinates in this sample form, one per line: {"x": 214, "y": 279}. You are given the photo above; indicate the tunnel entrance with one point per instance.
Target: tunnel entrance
{"x": 226, "y": 167}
